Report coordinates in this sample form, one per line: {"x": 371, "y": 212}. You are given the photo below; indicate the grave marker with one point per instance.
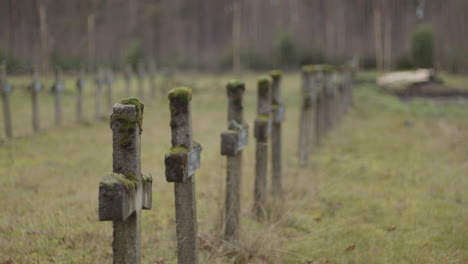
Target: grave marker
{"x": 233, "y": 142}
{"x": 57, "y": 89}
{"x": 6, "y": 89}
{"x": 277, "y": 112}
{"x": 99, "y": 86}
{"x": 109, "y": 79}
{"x": 80, "y": 84}
{"x": 181, "y": 163}
{"x": 124, "y": 193}
{"x": 141, "y": 75}
{"x": 262, "y": 129}
{"x": 152, "y": 78}
{"x": 35, "y": 89}
{"x": 128, "y": 80}
{"x": 305, "y": 117}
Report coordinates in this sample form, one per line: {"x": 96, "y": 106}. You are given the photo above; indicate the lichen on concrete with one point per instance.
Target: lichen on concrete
{"x": 129, "y": 182}
{"x": 140, "y": 107}
{"x": 180, "y": 94}
{"x": 276, "y": 74}
{"x": 234, "y": 85}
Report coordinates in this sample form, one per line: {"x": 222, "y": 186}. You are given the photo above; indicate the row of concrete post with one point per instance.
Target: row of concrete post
{"x": 104, "y": 80}
{"x": 326, "y": 96}
{"x": 126, "y": 192}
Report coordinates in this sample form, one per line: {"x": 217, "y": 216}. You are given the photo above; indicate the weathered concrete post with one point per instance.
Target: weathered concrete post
{"x": 109, "y": 79}
{"x": 35, "y": 88}
{"x": 152, "y": 78}
{"x": 233, "y": 142}
{"x": 128, "y": 80}
{"x": 319, "y": 81}
{"x": 80, "y": 84}
{"x": 57, "y": 89}
{"x": 305, "y": 117}
{"x": 141, "y": 76}
{"x": 6, "y": 89}
{"x": 99, "y": 86}
{"x": 125, "y": 192}
{"x": 181, "y": 163}
{"x": 262, "y": 129}
{"x": 328, "y": 94}
{"x": 277, "y": 117}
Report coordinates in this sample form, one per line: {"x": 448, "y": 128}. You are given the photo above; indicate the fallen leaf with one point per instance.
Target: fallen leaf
{"x": 350, "y": 248}
{"x": 392, "y": 228}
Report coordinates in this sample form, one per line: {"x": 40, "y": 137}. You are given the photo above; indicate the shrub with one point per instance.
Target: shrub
{"x": 286, "y": 51}
{"x": 404, "y": 62}
{"x": 313, "y": 56}
{"x": 134, "y": 54}
{"x": 422, "y": 47}
{"x": 13, "y": 63}
{"x": 66, "y": 63}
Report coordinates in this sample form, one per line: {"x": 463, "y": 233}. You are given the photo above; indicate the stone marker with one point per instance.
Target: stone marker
{"x": 6, "y": 89}
{"x": 262, "y": 129}
{"x": 128, "y": 80}
{"x": 319, "y": 83}
{"x": 99, "y": 86}
{"x": 109, "y": 79}
{"x": 181, "y": 163}
{"x": 305, "y": 117}
{"x": 80, "y": 84}
{"x": 35, "y": 88}
{"x": 233, "y": 142}
{"x": 278, "y": 113}
{"x": 329, "y": 94}
{"x": 152, "y": 78}
{"x": 57, "y": 89}
{"x": 124, "y": 193}
{"x": 141, "y": 76}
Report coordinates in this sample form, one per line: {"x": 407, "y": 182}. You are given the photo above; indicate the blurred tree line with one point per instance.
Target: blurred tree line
{"x": 201, "y": 34}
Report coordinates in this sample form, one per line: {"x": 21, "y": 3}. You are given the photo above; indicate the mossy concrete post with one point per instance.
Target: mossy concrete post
{"x": 233, "y": 142}
{"x": 262, "y": 129}
{"x": 305, "y": 118}
{"x": 328, "y": 102}
{"x": 141, "y": 76}
{"x": 35, "y": 89}
{"x": 336, "y": 97}
{"x": 109, "y": 79}
{"x": 57, "y": 89}
{"x": 181, "y": 164}
{"x": 313, "y": 90}
{"x": 342, "y": 93}
{"x": 152, "y": 78}
{"x": 278, "y": 113}
{"x": 319, "y": 82}
{"x": 6, "y": 89}
{"x": 128, "y": 80}
{"x": 99, "y": 87}
{"x": 80, "y": 84}
{"x": 124, "y": 193}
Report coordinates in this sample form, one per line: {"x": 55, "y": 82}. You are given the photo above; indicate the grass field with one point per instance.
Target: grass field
{"x": 389, "y": 184}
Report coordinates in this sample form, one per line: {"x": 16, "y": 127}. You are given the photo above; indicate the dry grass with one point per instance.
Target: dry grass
{"x": 388, "y": 186}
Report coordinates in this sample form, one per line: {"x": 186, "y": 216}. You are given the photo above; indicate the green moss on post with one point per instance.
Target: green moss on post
{"x": 234, "y": 85}
{"x": 129, "y": 182}
{"x": 178, "y": 149}
{"x": 276, "y": 74}
{"x": 180, "y": 94}
{"x": 140, "y": 107}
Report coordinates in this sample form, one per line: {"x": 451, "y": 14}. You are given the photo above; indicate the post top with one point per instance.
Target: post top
{"x": 139, "y": 108}
{"x": 180, "y": 95}
{"x": 264, "y": 80}
{"x": 235, "y": 86}
{"x": 276, "y": 74}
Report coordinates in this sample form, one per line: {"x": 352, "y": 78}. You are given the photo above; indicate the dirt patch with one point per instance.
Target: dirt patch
{"x": 431, "y": 90}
